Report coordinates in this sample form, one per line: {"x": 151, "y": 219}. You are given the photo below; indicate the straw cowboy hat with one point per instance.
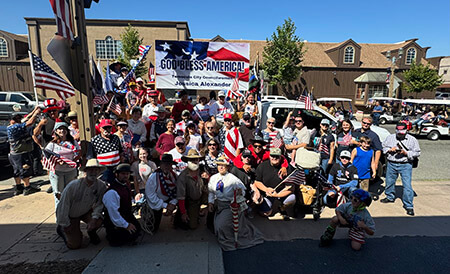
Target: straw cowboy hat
{"x": 193, "y": 154}
{"x": 222, "y": 160}
{"x": 93, "y": 163}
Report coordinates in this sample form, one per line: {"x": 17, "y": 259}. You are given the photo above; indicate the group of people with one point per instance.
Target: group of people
{"x": 209, "y": 160}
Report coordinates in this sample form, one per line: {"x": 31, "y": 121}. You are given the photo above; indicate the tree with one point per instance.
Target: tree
{"x": 130, "y": 49}
{"x": 420, "y": 77}
{"x": 283, "y": 55}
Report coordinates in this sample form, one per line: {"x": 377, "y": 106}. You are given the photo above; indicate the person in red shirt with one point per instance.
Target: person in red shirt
{"x": 259, "y": 154}
{"x": 178, "y": 107}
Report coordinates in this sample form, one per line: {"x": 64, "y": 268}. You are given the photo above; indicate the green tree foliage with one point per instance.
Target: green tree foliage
{"x": 130, "y": 49}
{"x": 420, "y": 77}
{"x": 283, "y": 55}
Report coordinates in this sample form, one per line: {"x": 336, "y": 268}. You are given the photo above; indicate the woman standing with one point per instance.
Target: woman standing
{"x": 193, "y": 139}
{"x": 345, "y": 141}
{"x": 222, "y": 188}
{"x": 166, "y": 141}
{"x": 125, "y": 139}
{"x": 211, "y": 155}
{"x": 66, "y": 147}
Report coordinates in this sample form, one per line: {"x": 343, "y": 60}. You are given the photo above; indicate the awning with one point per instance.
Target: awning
{"x": 375, "y": 77}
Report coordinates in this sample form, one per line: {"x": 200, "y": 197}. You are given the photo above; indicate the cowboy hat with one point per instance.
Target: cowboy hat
{"x": 93, "y": 163}
{"x": 258, "y": 139}
{"x": 222, "y": 160}
{"x": 192, "y": 154}
{"x": 114, "y": 63}
{"x": 167, "y": 158}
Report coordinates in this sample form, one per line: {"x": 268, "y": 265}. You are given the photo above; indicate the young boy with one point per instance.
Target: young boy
{"x": 364, "y": 161}
{"x": 353, "y": 215}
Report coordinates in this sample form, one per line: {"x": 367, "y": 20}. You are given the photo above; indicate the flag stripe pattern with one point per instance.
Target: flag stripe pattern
{"x": 231, "y": 143}
{"x": 100, "y": 99}
{"x": 142, "y": 49}
{"x": 151, "y": 73}
{"x": 306, "y": 99}
{"x": 61, "y": 9}
{"x": 234, "y": 92}
{"x": 115, "y": 107}
{"x": 296, "y": 177}
{"x": 47, "y": 78}
{"x": 50, "y": 160}
{"x": 109, "y": 158}
{"x": 130, "y": 74}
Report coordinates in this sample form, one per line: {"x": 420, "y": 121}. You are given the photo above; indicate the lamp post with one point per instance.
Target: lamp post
{"x": 393, "y": 61}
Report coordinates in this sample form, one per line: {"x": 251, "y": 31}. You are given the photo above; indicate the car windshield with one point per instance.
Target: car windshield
{"x": 33, "y": 98}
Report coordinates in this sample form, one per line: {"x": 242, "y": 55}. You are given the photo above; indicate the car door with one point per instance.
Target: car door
{"x": 17, "y": 98}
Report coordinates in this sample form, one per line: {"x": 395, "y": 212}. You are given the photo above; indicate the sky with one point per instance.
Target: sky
{"x": 363, "y": 21}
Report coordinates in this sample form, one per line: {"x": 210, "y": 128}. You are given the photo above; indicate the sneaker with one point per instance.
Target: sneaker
{"x": 386, "y": 200}
{"x": 93, "y": 237}
{"x": 18, "y": 189}
{"x": 410, "y": 211}
{"x": 31, "y": 189}
{"x": 50, "y": 190}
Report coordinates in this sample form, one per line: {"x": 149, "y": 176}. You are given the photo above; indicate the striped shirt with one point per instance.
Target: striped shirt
{"x": 410, "y": 143}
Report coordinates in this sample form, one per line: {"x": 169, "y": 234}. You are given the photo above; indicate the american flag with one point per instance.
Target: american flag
{"x": 347, "y": 138}
{"x": 51, "y": 159}
{"x": 151, "y": 73}
{"x": 277, "y": 142}
{"x": 100, "y": 99}
{"x": 306, "y": 99}
{"x": 297, "y": 177}
{"x": 61, "y": 9}
{"x": 130, "y": 74}
{"x": 142, "y": 49}
{"x": 234, "y": 92}
{"x": 323, "y": 147}
{"x": 47, "y": 78}
{"x": 115, "y": 107}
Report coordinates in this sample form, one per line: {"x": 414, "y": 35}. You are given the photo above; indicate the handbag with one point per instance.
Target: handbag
{"x": 308, "y": 194}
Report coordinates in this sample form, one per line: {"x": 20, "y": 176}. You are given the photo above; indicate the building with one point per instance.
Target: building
{"x": 443, "y": 65}
{"x": 15, "y": 74}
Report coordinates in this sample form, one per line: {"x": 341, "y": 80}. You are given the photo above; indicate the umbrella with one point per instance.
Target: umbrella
{"x": 235, "y": 214}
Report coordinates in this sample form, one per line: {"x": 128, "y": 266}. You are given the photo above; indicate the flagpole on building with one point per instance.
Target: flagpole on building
{"x": 32, "y": 76}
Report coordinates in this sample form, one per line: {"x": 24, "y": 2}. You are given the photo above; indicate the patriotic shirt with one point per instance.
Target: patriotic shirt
{"x": 343, "y": 142}
{"x": 230, "y": 141}
{"x": 221, "y": 187}
{"x": 249, "y": 108}
{"x": 66, "y": 150}
{"x": 157, "y": 190}
{"x": 322, "y": 144}
{"x": 107, "y": 151}
{"x": 272, "y": 138}
{"x": 218, "y": 110}
{"x": 177, "y": 158}
{"x": 16, "y": 134}
{"x": 203, "y": 111}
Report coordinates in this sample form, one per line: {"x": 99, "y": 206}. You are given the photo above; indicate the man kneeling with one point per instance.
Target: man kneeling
{"x": 121, "y": 225}
{"x": 81, "y": 200}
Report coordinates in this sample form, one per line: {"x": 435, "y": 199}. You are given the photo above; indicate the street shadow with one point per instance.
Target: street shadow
{"x": 9, "y": 192}
{"x": 7, "y": 172}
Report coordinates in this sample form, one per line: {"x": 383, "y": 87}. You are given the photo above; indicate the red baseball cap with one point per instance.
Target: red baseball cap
{"x": 105, "y": 123}
{"x": 227, "y": 116}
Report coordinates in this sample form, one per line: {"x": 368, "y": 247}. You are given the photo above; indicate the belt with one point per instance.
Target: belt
{"x": 399, "y": 162}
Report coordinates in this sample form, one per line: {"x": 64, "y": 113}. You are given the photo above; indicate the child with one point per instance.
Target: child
{"x": 364, "y": 161}
{"x": 142, "y": 169}
{"x": 353, "y": 215}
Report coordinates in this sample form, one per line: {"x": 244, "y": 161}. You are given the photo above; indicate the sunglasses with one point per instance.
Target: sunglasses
{"x": 345, "y": 158}
{"x": 271, "y": 123}
{"x": 107, "y": 128}
{"x": 180, "y": 145}
{"x": 275, "y": 156}
{"x": 257, "y": 146}
{"x": 227, "y": 120}
{"x": 210, "y": 127}
{"x": 246, "y": 156}
{"x": 365, "y": 123}
{"x": 299, "y": 121}
{"x": 213, "y": 144}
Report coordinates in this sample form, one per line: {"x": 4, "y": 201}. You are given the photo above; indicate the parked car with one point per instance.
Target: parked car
{"x": 268, "y": 98}
{"x": 442, "y": 95}
{"x": 4, "y": 146}
{"x": 26, "y": 100}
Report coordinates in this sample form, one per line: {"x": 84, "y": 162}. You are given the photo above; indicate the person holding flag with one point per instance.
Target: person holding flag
{"x": 323, "y": 140}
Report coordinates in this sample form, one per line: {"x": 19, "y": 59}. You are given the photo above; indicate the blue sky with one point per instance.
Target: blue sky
{"x": 378, "y": 21}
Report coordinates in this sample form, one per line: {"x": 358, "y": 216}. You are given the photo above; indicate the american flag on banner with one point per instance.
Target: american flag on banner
{"x": 151, "y": 73}
{"x": 306, "y": 99}
{"x": 61, "y": 9}
{"x": 297, "y": 177}
{"x": 45, "y": 77}
{"x": 51, "y": 159}
{"x": 114, "y": 107}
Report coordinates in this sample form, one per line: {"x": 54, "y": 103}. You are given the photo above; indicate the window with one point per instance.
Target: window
{"x": 361, "y": 91}
{"x": 378, "y": 91}
{"x": 3, "y": 48}
{"x": 2, "y": 97}
{"x": 16, "y": 98}
{"x": 108, "y": 48}
{"x": 349, "y": 55}
{"x": 410, "y": 55}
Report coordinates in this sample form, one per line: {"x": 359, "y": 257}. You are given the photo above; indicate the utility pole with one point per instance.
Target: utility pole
{"x": 81, "y": 70}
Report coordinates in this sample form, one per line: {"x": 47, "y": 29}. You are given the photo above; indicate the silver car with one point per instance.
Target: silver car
{"x": 26, "y": 100}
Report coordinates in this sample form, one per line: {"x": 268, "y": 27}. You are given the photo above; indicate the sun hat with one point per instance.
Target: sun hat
{"x": 114, "y": 63}
{"x": 93, "y": 163}
{"x": 51, "y": 104}
{"x": 192, "y": 154}
{"x": 167, "y": 158}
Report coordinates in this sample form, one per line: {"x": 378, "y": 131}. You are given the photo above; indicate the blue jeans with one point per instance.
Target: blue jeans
{"x": 60, "y": 179}
{"x": 392, "y": 172}
{"x": 324, "y": 164}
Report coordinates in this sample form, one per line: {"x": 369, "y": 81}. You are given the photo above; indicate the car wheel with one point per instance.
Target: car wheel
{"x": 433, "y": 135}
{"x": 383, "y": 121}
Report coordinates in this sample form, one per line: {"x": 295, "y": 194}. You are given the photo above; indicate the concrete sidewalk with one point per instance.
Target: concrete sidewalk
{"x": 27, "y": 233}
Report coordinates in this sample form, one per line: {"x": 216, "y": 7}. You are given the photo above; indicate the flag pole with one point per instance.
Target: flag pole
{"x": 32, "y": 76}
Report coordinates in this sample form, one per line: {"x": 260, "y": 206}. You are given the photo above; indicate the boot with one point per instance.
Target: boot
{"x": 327, "y": 237}
{"x": 31, "y": 189}
{"x": 18, "y": 189}
{"x": 93, "y": 237}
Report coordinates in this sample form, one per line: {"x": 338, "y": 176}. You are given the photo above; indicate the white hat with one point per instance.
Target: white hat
{"x": 93, "y": 163}
{"x": 345, "y": 153}
{"x": 221, "y": 93}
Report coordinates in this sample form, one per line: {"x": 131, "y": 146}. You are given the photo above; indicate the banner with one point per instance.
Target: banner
{"x": 201, "y": 65}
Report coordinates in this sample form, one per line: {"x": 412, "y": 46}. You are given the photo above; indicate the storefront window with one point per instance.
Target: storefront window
{"x": 378, "y": 90}
{"x": 361, "y": 92}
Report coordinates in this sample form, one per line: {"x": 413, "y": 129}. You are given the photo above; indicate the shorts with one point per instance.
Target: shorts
{"x": 357, "y": 235}
{"x": 22, "y": 164}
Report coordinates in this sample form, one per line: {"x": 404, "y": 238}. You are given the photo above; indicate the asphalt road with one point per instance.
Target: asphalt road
{"x": 434, "y": 159}
{"x": 383, "y": 255}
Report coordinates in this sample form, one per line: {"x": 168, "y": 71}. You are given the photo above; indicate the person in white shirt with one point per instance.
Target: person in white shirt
{"x": 161, "y": 191}
{"x": 141, "y": 170}
{"x": 202, "y": 109}
{"x": 150, "y": 109}
{"x": 137, "y": 127}
{"x": 178, "y": 152}
{"x": 193, "y": 139}
{"x": 219, "y": 108}
{"x": 223, "y": 189}
{"x": 120, "y": 223}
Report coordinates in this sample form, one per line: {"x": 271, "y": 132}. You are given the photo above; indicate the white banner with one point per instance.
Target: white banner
{"x": 201, "y": 65}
